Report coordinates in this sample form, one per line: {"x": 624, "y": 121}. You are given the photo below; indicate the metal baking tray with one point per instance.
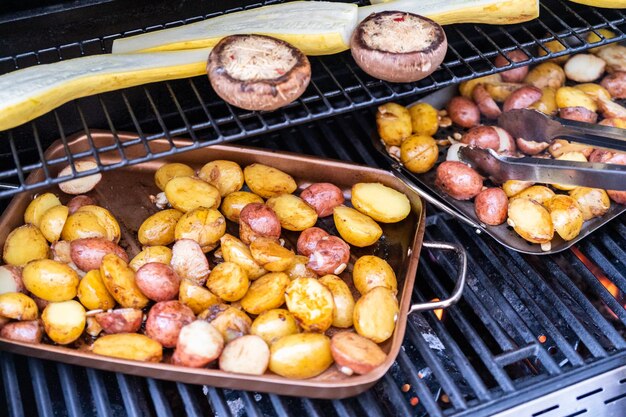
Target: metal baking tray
{"x": 126, "y": 193}
{"x": 424, "y": 185}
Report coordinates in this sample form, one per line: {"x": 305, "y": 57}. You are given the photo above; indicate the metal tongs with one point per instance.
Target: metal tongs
{"x": 535, "y": 126}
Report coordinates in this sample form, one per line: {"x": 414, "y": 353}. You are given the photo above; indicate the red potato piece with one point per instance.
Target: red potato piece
{"x": 355, "y": 354}
{"x": 158, "y": 281}
{"x": 580, "y": 114}
{"x": 458, "y": 180}
{"x": 11, "y": 279}
{"x": 189, "y": 262}
{"x": 486, "y": 104}
{"x": 122, "y": 320}
{"x": 23, "y": 331}
{"x": 257, "y": 219}
{"x": 522, "y": 98}
{"x": 87, "y": 253}
{"x": 166, "y": 319}
{"x": 308, "y": 240}
{"x": 614, "y": 122}
{"x": 80, "y": 200}
{"x": 491, "y": 206}
{"x": 615, "y": 84}
{"x": 619, "y": 159}
{"x": 247, "y": 354}
{"x": 610, "y": 109}
{"x": 507, "y": 143}
{"x": 323, "y": 197}
{"x": 484, "y": 137}
{"x": 463, "y": 112}
{"x": 199, "y": 343}
{"x": 330, "y": 256}
{"x": 531, "y": 147}
{"x": 515, "y": 75}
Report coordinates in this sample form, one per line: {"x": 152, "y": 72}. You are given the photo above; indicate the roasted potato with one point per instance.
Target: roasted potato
{"x": 330, "y": 256}
{"x": 80, "y": 185}
{"x": 463, "y": 112}
{"x": 356, "y": 228}
{"x": 40, "y": 204}
{"x": 52, "y": 222}
{"x": 584, "y": 68}
{"x": 530, "y": 220}
{"x": 342, "y": 298}
{"x": 106, "y": 219}
{"x": 158, "y": 281}
{"x": 267, "y": 181}
{"x": 82, "y": 225}
{"x": 595, "y": 91}
{"x": 50, "y": 280}
{"x": 189, "y": 262}
{"x": 547, "y": 103}
{"x": 273, "y": 324}
{"x": 196, "y": 297}
{"x": 466, "y": 88}
{"x": 133, "y": 346}
{"x": 580, "y": 114}
{"x": 149, "y": 254}
{"x": 299, "y": 268}
{"x": 546, "y": 74}
{"x": 226, "y": 176}
{"x": 205, "y": 226}
{"x": 234, "y": 250}
{"x": 292, "y": 212}
{"x": 486, "y": 103}
{"x": 159, "y": 229}
{"x": 554, "y": 46}
{"x": 64, "y": 321}
{"x": 172, "y": 170}
{"x": 258, "y": 220}
{"x": 560, "y": 147}
{"x": 311, "y": 303}
{"x": 188, "y": 193}
{"x": 355, "y": 354}
{"x": 23, "y": 331}
{"x": 522, "y": 98}
{"x": 119, "y": 280}
{"x": 485, "y": 137}
{"x": 491, "y": 206}
{"x": 323, "y": 197}
{"x": 92, "y": 292}
{"x": 593, "y": 202}
{"x": 62, "y": 251}
{"x": 300, "y": 356}
{"x": 87, "y": 253}
{"x": 247, "y": 354}
{"x": 573, "y": 97}
{"x": 424, "y": 119}
{"x": 25, "y": 244}
{"x": 375, "y": 314}
{"x": 266, "y": 293}
{"x": 615, "y": 57}
{"x": 538, "y": 193}
{"x": 566, "y": 216}
{"x": 514, "y": 75}
{"x": 531, "y": 147}
{"x": 18, "y": 306}
{"x": 230, "y": 321}
{"x": 165, "y": 319}
{"x": 499, "y": 92}
{"x": 418, "y": 153}
{"x": 199, "y": 343}
{"x": 394, "y": 123}
{"x": 121, "y": 320}
{"x": 80, "y": 200}
{"x": 592, "y": 37}
{"x": 228, "y": 281}
{"x": 458, "y": 180}
{"x": 570, "y": 156}
{"x": 370, "y": 272}
{"x": 307, "y": 241}
{"x": 271, "y": 255}
{"x": 233, "y": 203}
{"x": 11, "y": 279}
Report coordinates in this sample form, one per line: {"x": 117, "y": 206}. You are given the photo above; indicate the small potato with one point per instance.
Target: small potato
{"x": 92, "y": 327}
{"x": 553, "y": 47}
{"x": 80, "y": 200}
{"x": 507, "y": 143}
{"x": 195, "y": 297}
{"x": 18, "y": 306}
{"x": 292, "y": 212}
{"x": 233, "y": 204}
{"x": 188, "y": 193}
{"x": 119, "y": 280}
{"x": 424, "y": 119}
{"x": 342, "y": 298}
{"x": 271, "y": 255}
{"x": 64, "y": 321}
{"x": 514, "y": 75}
{"x": 466, "y": 88}
{"x": 566, "y": 215}
{"x": 537, "y": 193}
{"x": 11, "y": 279}
{"x": 299, "y": 268}
{"x": 356, "y": 228}
{"x": 52, "y": 222}
{"x": 157, "y": 281}
{"x": 307, "y": 241}
{"x": 81, "y": 225}
{"x": 92, "y": 292}
{"x": 161, "y": 254}
{"x": 226, "y": 176}
{"x": 159, "y": 229}
{"x": 40, "y": 204}
{"x": 300, "y": 356}
{"x": 234, "y": 250}
{"x": 189, "y": 262}
{"x": 165, "y": 319}
{"x": 62, "y": 251}
{"x": 531, "y": 147}
{"x": 168, "y": 171}
{"x": 458, "y": 180}
{"x": 610, "y": 109}
{"x": 122, "y": 320}
{"x": 228, "y": 281}
{"x": 229, "y": 321}
{"x": 80, "y": 185}
{"x": 491, "y": 206}
{"x": 486, "y": 104}
{"x": 615, "y": 85}
{"x": 273, "y": 324}
{"x": 199, "y": 343}
{"x": 311, "y": 303}
{"x": 23, "y": 331}
{"x": 394, "y": 123}
{"x": 245, "y": 355}
{"x": 355, "y": 354}
{"x": 24, "y": 244}
{"x": 50, "y": 280}
{"x": 370, "y": 272}
{"x": 547, "y": 103}
{"x": 593, "y": 202}
{"x": 266, "y": 293}
{"x": 381, "y": 203}
{"x": 205, "y": 226}
{"x": 501, "y": 91}
{"x": 267, "y": 181}
{"x": 485, "y": 137}
{"x": 106, "y": 219}
{"x": 530, "y": 220}
{"x": 615, "y": 57}
{"x": 560, "y": 147}
{"x": 133, "y": 346}
{"x": 375, "y": 314}
{"x": 463, "y": 112}
{"x": 584, "y": 68}
{"x": 87, "y": 253}
{"x": 323, "y": 197}
{"x": 546, "y": 74}
{"x": 330, "y": 256}
{"x": 595, "y": 91}
{"x": 419, "y": 153}
{"x": 572, "y": 97}
{"x": 593, "y": 38}
{"x": 569, "y": 156}
{"x": 522, "y": 98}
{"x": 258, "y": 220}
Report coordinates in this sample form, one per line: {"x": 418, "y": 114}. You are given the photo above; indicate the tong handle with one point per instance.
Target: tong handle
{"x": 595, "y": 135}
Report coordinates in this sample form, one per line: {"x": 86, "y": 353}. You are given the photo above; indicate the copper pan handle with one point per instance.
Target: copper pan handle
{"x": 460, "y": 279}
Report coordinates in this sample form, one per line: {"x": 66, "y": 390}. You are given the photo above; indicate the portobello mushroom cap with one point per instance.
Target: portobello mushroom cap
{"x": 257, "y": 72}
{"x": 398, "y": 46}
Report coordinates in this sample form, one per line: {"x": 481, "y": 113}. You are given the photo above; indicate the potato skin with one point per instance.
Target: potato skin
{"x": 381, "y": 203}
{"x": 580, "y": 114}
{"x": 463, "y": 112}
{"x": 122, "y": 320}
{"x": 354, "y": 353}
{"x": 486, "y": 104}
{"x": 566, "y": 215}
{"x": 23, "y": 331}
{"x": 266, "y": 293}
{"x": 375, "y": 314}
{"x": 458, "y": 180}
{"x": 199, "y": 343}
{"x": 273, "y": 324}
{"x": 531, "y": 147}
{"x": 491, "y": 206}
{"x": 78, "y": 201}
{"x": 50, "y": 280}
{"x": 38, "y": 206}
{"x": 234, "y": 250}
{"x": 18, "y": 306}
{"x": 189, "y": 262}
{"x": 196, "y": 297}
{"x": 157, "y": 281}
{"x": 522, "y": 98}
{"x": 300, "y": 356}
{"x": 131, "y": 346}
{"x": 547, "y": 103}
{"x": 149, "y": 254}
{"x": 165, "y": 319}
{"x": 370, "y": 272}
{"x": 355, "y": 227}
{"x": 593, "y": 202}
{"x": 92, "y": 292}
{"x": 307, "y": 241}
{"x": 24, "y": 244}
{"x": 484, "y": 137}
{"x": 311, "y": 303}
{"x": 226, "y": 176}
{"x": 228, "y": 281}
{"x": 87, "y": 253}
{"x": 231, "y": 322}
{"x": 257, "y": 220}
{"x": 205, "y": 226}
{"x": 247, "y": 354}
{"x": 418, "y": 153}
{"x": 271, "y": 255}
{"x": 424, "y": 119}
{"x": 106, "y": 220}
{"x": 546, "y": 74}
{"x": 293, "y": 213}
{"x": 233, "y": 203}
{"x": 11, "y": 279}
{"x": 267, "y": 181}
{"x": 615, "y": 84}
{"x": 394, "y": 123}
{"x": 342, "y": 298}
{"x": 299, "y": 268}
{"x": 538, "y": 193}
{"x": 530, "y": 220}
{"x": 81, "y": 225}
{"x": 64, "y": 321}
{"x": 514, "y": 75}
{"x": 323, "y": 197}
{"x": 172, "y": 170}
{"x": 119, "y": 280}
{"x": 330, "y": 256}
{"x": 188, "y": 193}
{"x": 159, "y": 229}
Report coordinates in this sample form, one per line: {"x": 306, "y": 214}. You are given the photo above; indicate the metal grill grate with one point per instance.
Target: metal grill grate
{"x": 526, "y": 326}
{"x": 191, "y": 108}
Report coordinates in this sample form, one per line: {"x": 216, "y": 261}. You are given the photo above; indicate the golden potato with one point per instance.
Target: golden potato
{"x": 530, "y": 220}
{"x": 292, "y": 212}
{"x": 593, "y": 202}
{"x": 205, "y": 226}
{"x": 18, "y": 306}
{"x": 25, "y": 244}
{"x": 119, "y": 280}
{"x": 300, "y": 356}
{"x": 197, "y": 298}
{"x": 228, "y": 281}
{"x": 159, "y": 229}
{"x": 231, "y": 322}
{"x": 566, "y": 215}
{"x": 500, "y": 91}
{"x": 168, "y": 171}
{"x": 266, "y": 293}
{"x": 234, "y": 250}
{"x": 106, "y": 219}
{"x": 226, "y": 176}
{"x": 52, "y": 222}
{"x": 149, "y": 254}
{"x": 419, "y": 153}
{"x": 356, "y": 228}
{"x": 271, "y": 255}
{"x": 593, "y": 90}
{"x": 554, "y": 46}
{"x": 538, "y": 193}
{"x": 342, "y": 298}
{"x": 234, "y": 202}
{"x": 81, "y": 225}
{"x": 93, "y": 294}
{"x": 573, "y": 97}
{"x": 50, "y": 280}
{"x": 424, "y": 119}
{"x": 513, "y": 187}
{"x": 188, "y": 193}
{"x": 133, "y": 346}
{"x": 299, "y": 268}
{"x": 546, "y": 74}
{"x": 64, "y": 321}
{"x": 370, "y": 272}
{"x": 311, "y": 303}
{"x": 593, "y": 38}
{"x": 547, "y": 102}
{"x": 466, "y": 88}
{"x": 273, "y": 324}
{"x": 569, "y": 156}
{"x": 381, "y": 203}
{"x": 39, "y": 206}
{"x": 375, "y": 314}
{"x": 247, "y": 354}
{"x": 394, "y": 123}
{"x": 267, "y": 181}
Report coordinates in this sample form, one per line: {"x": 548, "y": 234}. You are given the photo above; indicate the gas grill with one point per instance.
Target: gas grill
{"x": 532, "y": 335}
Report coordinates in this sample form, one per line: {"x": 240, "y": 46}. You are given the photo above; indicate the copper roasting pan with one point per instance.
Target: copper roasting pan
{"x": 125, "y": 192}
